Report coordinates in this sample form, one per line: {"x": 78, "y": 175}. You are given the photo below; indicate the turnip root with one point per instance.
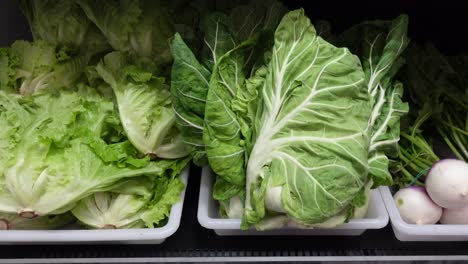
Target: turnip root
{"x": 447, "y": 183}
{"x": 455, "y": 216}
{"x": 416, "y": 207}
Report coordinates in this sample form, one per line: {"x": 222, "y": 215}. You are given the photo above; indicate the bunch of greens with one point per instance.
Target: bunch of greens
{"x": 438, "y": 91}
{"x": 88, "y": 126}
{"x": 296, "y": 129}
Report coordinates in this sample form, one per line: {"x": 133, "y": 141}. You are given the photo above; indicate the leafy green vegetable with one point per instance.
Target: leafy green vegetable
{"x": 380, "y": 45}
{"x": 312, "y": 90}
{"x": 15, "y": 222}
{"x": 39, "y": 65}
{"x": 63, "y": 23}
{"x": 269, "y": 144}
{"x": 139, "y": 27}
{"x": 432, "y": 79}
{"x": 136, "y": 203}
{"x": 222, "y": 33}
{"x": 60, "y": 155}
{"x": 144, "y": 105}
{"x": 436, "y": 87}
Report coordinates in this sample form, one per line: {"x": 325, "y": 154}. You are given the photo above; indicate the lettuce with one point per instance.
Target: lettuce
{"x": 139, "y": 202}
{"x": 16, "y": 222}
{"x": 64, "y": 24}
{"x": 30, "y": 67}
{"x": 61, "y": 152}
{"x": 144, "y": 104}
{"x": 139, "y": 27}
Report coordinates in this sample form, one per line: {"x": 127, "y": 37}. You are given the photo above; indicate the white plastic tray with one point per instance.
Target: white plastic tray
{"x": 410, "y": 232}
{"x": 209, "y": 218}
{"x": 127, "y": 236}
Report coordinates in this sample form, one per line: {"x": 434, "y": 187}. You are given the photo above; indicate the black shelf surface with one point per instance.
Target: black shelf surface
{"x": 193, "y": 241}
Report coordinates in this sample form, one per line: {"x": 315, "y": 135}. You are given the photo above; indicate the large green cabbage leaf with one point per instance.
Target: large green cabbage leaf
{"x": 301, "y": 149}
{"x": 310, "y": 143}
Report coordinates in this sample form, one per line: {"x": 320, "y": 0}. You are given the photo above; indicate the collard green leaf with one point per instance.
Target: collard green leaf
{"x": 41, "y": 66}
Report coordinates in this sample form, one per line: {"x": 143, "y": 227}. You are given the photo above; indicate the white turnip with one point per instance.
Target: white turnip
{"x": 455, "y": 216}
{"x": 416, "y": 207}
{"x": 447, "y": 183}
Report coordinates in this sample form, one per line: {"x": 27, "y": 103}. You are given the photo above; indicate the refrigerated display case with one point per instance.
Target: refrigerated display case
{"x": 441, "y": 22}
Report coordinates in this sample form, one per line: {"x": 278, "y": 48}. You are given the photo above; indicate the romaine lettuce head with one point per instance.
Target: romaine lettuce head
{"x": 39, "y": 65}
{"x": 16, "y": 222}
{"x": 144, "y": 103}
{"x": 141, "y": 27}
{"x": 60, "y": 150}
{"x": 139, "y": 202}
{"x": 63, "y": 23}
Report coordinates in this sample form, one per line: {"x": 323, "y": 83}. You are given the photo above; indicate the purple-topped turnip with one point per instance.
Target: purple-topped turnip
{"x": 416, "y": 207}
{"x": 447, "y": 183}
{"x": 455, "y": 216}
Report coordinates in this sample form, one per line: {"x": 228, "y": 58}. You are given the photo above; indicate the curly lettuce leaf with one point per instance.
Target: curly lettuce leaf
{"x": 41, "y": 65}
{"x": 144, "y": 105}
{"x": 58, "y": 157}
{"x": 137, "y": 203}
{"x": 8, "y": 64}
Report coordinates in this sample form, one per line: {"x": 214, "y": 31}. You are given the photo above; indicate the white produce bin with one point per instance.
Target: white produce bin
{"x": 209, "y": 217}
{"x": 411, "y": 232}
{"x": 108, "y": 236}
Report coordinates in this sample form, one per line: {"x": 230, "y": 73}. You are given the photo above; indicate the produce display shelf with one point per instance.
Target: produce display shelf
{"x": 440, "y": 22}
{"x": 193, "y": 243}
